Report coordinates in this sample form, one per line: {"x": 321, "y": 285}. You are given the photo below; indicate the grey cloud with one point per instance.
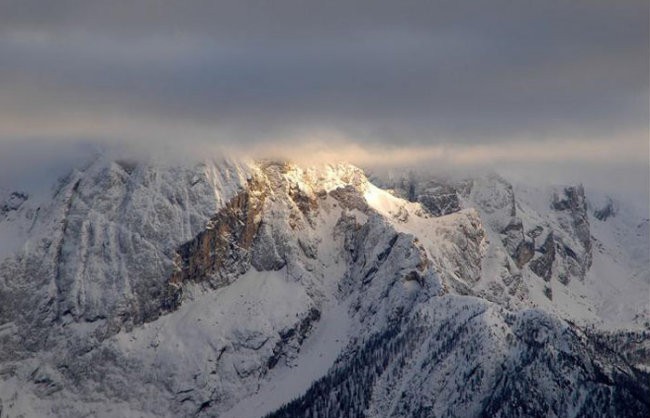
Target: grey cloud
{"x": 380, "y": 71}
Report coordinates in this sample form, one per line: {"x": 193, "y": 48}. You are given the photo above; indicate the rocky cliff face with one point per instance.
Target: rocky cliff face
{"x": 223, "y": 249}
{"x": 99, "y": 250}
{"x": 159, "y": 290}
{"x": 440, "y": 196}
{"x": 555, "y": 247}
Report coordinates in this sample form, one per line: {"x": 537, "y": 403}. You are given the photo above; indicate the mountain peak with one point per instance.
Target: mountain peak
{"x": 219, "y": 283}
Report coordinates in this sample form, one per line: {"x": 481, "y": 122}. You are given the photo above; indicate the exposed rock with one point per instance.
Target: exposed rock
{"x": 293, "y": 336}
{"x": 543, "y": 265}
{"x": 265, "y": 255}
{"x": 13, "y": 202}
{"x": 438, "y": 196}
{"x": 535, "y": 232}
{"x": 513, "y": 236}
{"x": 608, "y": 210}
{"x": 575, "y": 203}
{"x": 349, "y": 198}
{"x": 415, "y": 276}
{"x": 220, "y": 252}
{"x": 524, "y": 253}
{"x": 548, "y": 292}
{"x": 574, "y": 206}
{"x": 101, "y": 250}
{"x": 81, "y": 310}
{"x": 440, "y": 199}
{"x": 305, "y": 202}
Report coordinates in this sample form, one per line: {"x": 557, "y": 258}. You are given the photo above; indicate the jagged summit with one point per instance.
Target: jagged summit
{"x": 230, "y": 288}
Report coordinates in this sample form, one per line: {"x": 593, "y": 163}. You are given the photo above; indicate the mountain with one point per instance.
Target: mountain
{"x": 248, "y": 289}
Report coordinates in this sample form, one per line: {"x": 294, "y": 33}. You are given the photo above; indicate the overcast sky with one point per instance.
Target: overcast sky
{"x": 375, "y": 82}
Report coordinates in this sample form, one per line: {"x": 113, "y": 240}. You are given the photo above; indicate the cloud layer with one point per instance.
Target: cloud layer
{"x": 504, "y": 80}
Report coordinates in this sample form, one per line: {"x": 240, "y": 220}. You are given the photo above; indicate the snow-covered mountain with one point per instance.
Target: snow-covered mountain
{"x": 246, "y": 289}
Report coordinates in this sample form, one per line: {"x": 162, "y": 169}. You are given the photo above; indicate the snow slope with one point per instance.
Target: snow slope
{"x": 229, "y": 288}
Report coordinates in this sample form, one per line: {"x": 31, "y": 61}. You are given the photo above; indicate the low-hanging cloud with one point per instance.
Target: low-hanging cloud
{"x": 465, "y": 82}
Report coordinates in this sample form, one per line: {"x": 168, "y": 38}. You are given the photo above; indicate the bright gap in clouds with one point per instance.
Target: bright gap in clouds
{"x": 619, "y": 166}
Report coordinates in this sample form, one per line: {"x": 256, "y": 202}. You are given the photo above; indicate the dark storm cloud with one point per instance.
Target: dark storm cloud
{"x": 379, "y": 71}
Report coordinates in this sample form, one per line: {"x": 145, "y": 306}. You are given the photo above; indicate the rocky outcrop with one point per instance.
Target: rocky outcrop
{"x": 513, "y": 237}
{"x": 101, "y": 248}
{"x": 438, "y": 196}
{"x": 573, "y": 205}
{"x": 349, "y": 198}
{"x": 13, "y": 202}
{"x": 222, "y": 251}
{"x": 440, "y": 199}
{"x": 292, "y": 338}
{"x": 565, "y": 249}
{"x": 543, "y": 265}
{"x": 519, "y": 246}
{"x": 266, "y": 254}
{"x": 524, "y": 253}
{"x": 608, "y": 210}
